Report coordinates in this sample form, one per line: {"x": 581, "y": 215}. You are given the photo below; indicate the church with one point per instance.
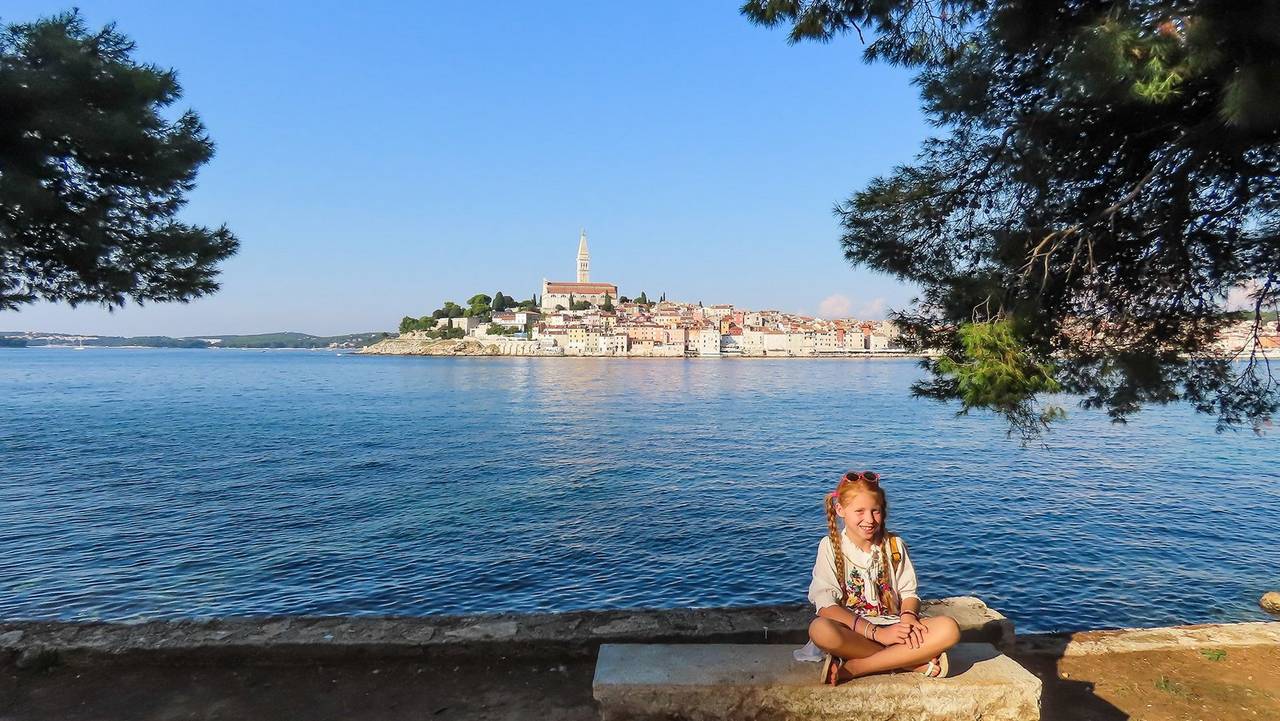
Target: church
{"x": 556, "y": 293}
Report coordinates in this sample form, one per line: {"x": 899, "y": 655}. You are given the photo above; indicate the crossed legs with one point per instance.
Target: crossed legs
{"x": 863, "y": 656}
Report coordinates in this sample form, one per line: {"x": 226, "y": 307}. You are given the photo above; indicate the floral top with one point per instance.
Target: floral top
{"x": 861, "y": 569}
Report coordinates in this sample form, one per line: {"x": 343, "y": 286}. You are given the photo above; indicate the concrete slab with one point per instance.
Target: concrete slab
{"x": 1130, "y": 640}
{"x": 743, "y": 682}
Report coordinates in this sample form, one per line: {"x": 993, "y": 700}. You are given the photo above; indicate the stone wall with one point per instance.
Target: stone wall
{"x": 550, "y": 635}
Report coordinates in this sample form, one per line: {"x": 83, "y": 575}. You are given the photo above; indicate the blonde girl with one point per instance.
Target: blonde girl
{"x": 864, "y": 589}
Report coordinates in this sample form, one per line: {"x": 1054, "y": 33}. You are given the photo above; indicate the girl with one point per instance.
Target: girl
{"x": 864, "y": 589}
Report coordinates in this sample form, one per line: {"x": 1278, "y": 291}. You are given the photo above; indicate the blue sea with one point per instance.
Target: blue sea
{"x": 196, "y": 483}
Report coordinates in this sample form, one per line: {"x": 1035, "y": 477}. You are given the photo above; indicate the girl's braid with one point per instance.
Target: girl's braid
{"x": 836, "y": 549}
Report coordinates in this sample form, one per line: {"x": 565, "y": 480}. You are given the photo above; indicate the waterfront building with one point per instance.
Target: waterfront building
{"x": 800, "y": 343}
{"x": 565, "y": 294}
{"x": 644, "y": 332}
{"x": 704, "y": 341}
{"x": 466, "y": 324}
{"x": 829, "y": 342}
{"x": 731, "y": 342}
{"x": 775, "y": 341}
{"x": 613, "y": 343}
{"x": 516, "y": 319}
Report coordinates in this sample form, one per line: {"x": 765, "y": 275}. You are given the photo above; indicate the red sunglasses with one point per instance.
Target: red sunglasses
{"x": 868, "y": 476}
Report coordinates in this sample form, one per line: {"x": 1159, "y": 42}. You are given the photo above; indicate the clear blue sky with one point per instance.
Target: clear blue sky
{"x": 376, "y": 159}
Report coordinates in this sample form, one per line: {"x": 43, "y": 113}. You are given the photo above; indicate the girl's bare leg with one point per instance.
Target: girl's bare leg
{"x": 943, "y": 634}
{"x": 839, "y": 640}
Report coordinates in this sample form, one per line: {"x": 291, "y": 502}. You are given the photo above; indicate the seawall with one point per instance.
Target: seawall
{"x": 575, "y": 634}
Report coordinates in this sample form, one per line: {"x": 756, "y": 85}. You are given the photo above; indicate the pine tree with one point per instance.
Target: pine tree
{"x": 1107, "y": 174}
{"x": 92, "y": 173}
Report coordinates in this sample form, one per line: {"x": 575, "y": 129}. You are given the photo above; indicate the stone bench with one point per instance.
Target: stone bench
{"x": 701, "y": 682}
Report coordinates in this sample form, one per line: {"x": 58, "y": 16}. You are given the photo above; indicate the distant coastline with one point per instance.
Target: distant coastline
{"x": 494, "y": 348}
{"x": 31, "y": 339}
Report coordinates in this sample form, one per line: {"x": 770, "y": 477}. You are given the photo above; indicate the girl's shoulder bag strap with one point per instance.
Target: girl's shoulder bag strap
{"x": 895, "y": 552}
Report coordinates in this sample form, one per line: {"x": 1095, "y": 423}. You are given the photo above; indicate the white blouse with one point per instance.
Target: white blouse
{"x": 824, "y": 589}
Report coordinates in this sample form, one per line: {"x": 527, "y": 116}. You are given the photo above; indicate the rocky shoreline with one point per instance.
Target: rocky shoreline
{"x": 423, "y": 346}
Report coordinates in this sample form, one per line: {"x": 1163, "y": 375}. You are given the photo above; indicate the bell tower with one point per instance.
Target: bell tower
{"x": 584, "y": 259}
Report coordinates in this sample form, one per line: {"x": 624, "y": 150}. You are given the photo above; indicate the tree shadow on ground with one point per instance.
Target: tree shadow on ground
{"x": 1063, "y": 699}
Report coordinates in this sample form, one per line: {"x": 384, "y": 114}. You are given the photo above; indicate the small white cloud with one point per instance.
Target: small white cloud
{"x": 1238, "y": 298}
{"x": 834, "y": 306}
{"x": 873, "y": 310}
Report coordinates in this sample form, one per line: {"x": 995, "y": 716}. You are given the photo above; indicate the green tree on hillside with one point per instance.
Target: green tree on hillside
{"x": 1106, "y": 175}
{"x": 642, "y": 299}
{"x": 93, "y": 173}
{"x": 607, "y": 305}
{"x": 409, "y": 324}
{"x": 449, "y": 310}
{"x": 501, "y": 302}
{"x": 479, "y": 304}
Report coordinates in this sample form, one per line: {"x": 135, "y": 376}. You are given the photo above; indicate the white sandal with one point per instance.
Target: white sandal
{"x": 938, "y": 666}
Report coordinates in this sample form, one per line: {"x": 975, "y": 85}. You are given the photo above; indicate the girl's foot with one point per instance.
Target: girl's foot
{"x": 938, "y": 667}
{"x": 831, "y": 669}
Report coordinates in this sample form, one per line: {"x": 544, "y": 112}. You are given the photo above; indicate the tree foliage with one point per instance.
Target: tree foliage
{"x": 1106, "y": 176}
{"x": 447, "y": 333}
{"x": 409, "y": 323}
{"x": 92, "y": 175}
{"x": 449, "y": 310}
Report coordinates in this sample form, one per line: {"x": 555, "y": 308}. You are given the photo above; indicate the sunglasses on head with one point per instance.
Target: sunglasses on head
{"x": 868, "y": 476}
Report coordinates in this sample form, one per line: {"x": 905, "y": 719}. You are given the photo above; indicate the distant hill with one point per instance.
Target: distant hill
{"x": 296, "y": 340}
{"x": 36, "y": 338}
{"x": 263, "y": 340}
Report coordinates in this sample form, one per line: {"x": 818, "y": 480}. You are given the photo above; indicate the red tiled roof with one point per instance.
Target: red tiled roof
{"x": 555, "y": 287}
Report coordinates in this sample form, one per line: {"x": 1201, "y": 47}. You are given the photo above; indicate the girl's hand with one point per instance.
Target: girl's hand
{"x": 916, "y": 630}
{"x": 896, "y": 634}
